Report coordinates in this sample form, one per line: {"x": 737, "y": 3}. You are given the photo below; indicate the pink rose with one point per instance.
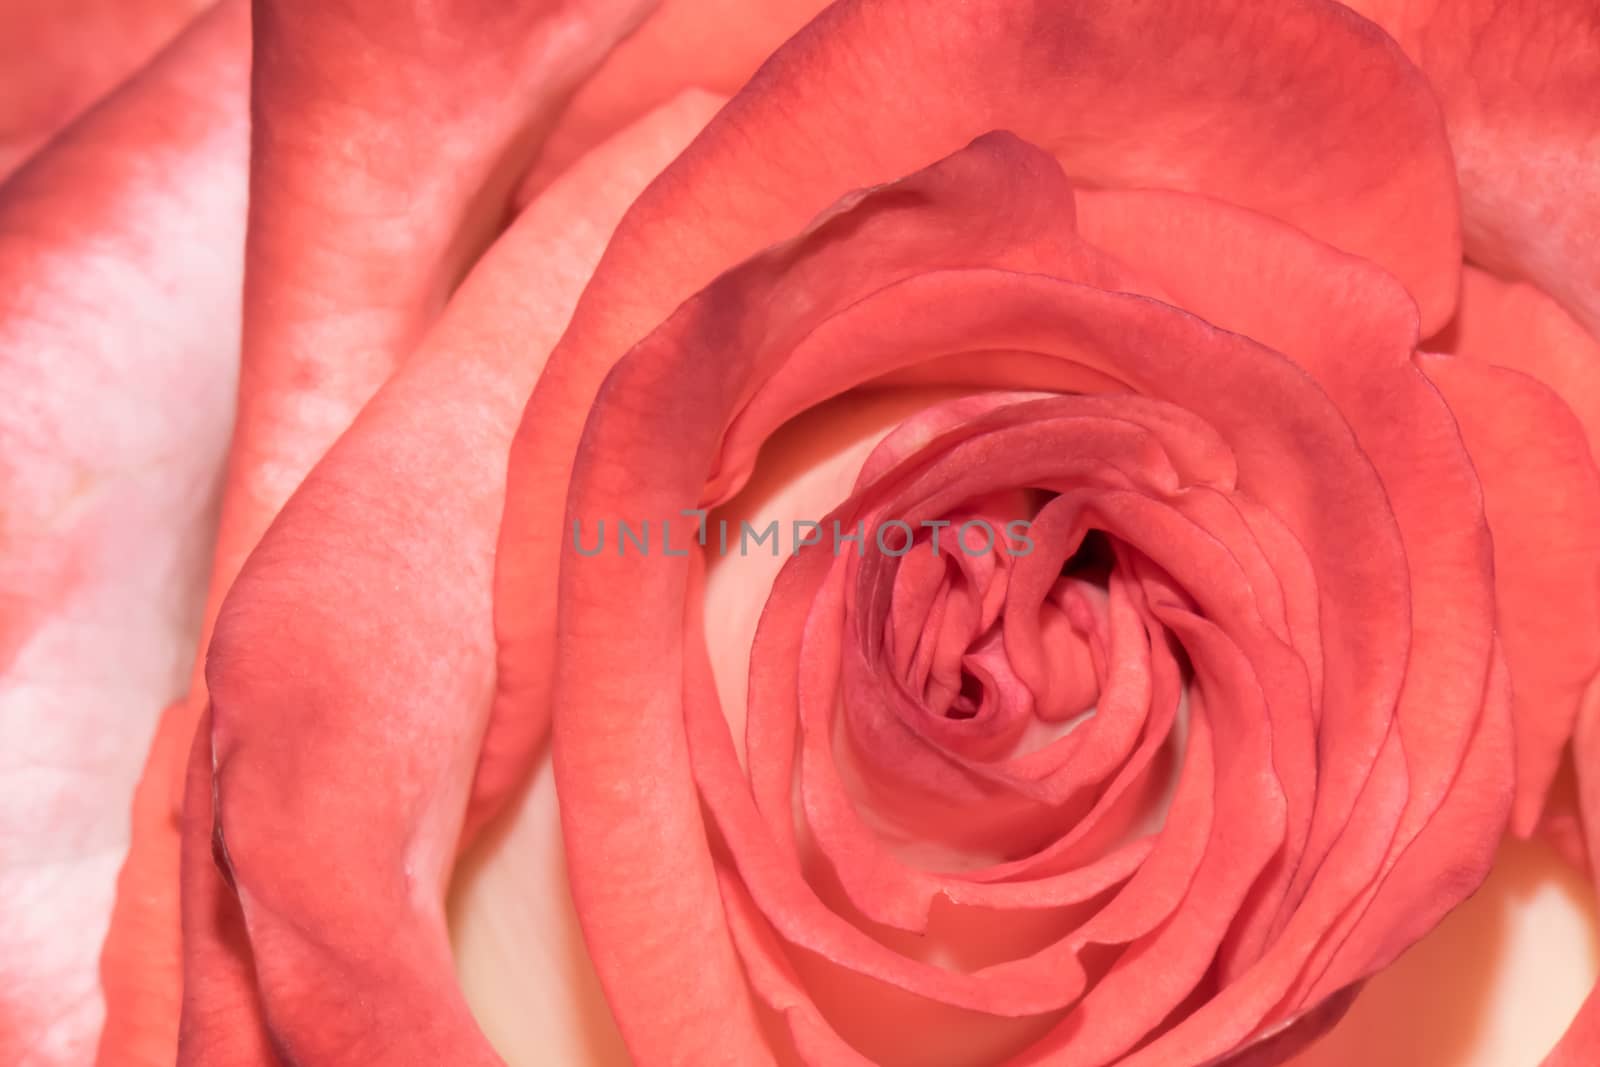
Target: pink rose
{"x": 1041, "y": 533}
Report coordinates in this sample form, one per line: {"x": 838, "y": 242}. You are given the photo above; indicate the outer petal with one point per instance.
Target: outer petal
{"x": 1518, "y": 80}
{"x": 708, "y": 44}
{"x": 59, "y": 56}
{"x": 230, "y": 1031}
{"x": 121, "y": 251}
{"x": 384, "y": 144}
{"x": 356, "y": 647}
{"x": 1515, "y": 325}
{"x": 1542, "y": 495}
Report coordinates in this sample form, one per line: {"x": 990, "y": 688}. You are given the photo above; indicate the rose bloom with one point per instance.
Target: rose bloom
{"x": 746, "y": 532}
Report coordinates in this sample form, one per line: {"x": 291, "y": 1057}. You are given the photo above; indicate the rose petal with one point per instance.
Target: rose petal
{"x": 383, "y": 149}
{"x": 218, "y": 967}
{"x": 395, "y": 525}
{"x": 121, "y": 262}
{"x": 1518, "y": 80}
{"x": 1513, "y": 324}
{"x": 1542, "y": 495}
{"x": 59, "y": 56}
{"x": 708, "y": 44}
{"x": 382, "y": 157}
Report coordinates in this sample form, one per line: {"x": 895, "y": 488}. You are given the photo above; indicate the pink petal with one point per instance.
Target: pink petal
{"x": 382, "y": 560}
{"x": 1518, "y": 80}
{"x": 383, "y": 155}
{"x": 57, "y": 57}
{"x": 118, "y": 348}
{"x": 1542, "y": 496}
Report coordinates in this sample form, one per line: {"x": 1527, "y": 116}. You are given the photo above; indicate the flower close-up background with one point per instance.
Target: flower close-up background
{"x": 911, "y": 532}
